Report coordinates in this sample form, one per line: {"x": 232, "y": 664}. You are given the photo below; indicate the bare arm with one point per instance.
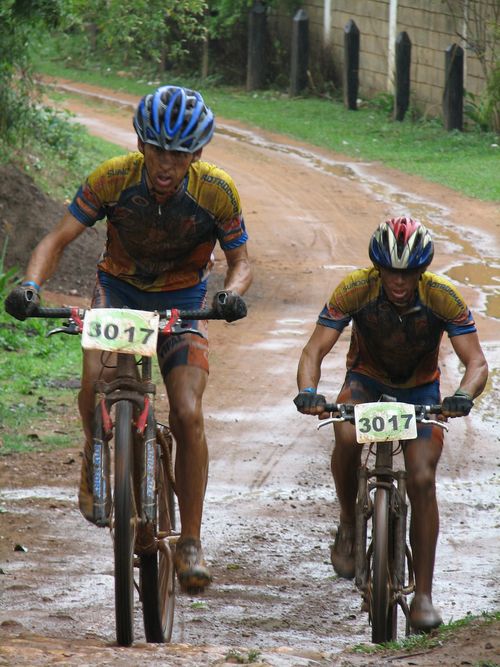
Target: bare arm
{"x": 239, "y": 273}
{"x": 45, "y": 257}
{"x": 468, "y": 350}
{"x": 321, "y": 342}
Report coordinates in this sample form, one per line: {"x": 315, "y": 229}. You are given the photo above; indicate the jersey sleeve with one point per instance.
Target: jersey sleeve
{"x": 226, "y": 208}
{"x": 103, "y": 186}
{"x": 86, "y": 206}
{"x": 448, "y": 304}
{"x": 350, "y": 295}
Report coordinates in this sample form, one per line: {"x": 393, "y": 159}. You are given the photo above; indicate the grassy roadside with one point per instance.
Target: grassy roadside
{"x": 423, "y": 642}
{"x": 468, "y": 162}
{"x": 39, "y": 377}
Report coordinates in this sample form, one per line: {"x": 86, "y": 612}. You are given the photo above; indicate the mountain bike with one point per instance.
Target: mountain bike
{"x": 383, "y": 560}
{"x": 139, "y": 506}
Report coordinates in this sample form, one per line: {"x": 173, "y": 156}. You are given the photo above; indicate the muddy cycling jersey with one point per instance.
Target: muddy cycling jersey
{"x": 167, "y": 246}
{"x": 398, "y": 349}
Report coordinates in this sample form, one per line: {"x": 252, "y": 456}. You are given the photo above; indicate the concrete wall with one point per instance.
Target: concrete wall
{"x": 429, "y": 25}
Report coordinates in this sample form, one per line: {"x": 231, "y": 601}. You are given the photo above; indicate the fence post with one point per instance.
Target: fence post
{"x": 403, "y": 63}
{"x": 256, "y": 46}
{"x": 300, "y": 52}
{"x": 351, "y": 65}
{"x": 453, "y": 95}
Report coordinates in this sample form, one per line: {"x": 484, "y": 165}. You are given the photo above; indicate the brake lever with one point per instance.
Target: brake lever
{"x": 71, "y": 328}
{"x": 178, "y": 330}
{"x": 331, "y": 420}
{"x": 442, "y": 425}
{"x": 344, "y": 416}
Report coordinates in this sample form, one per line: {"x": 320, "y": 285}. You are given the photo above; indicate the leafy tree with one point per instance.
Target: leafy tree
{"x": 134, "y": 33}
{"x": 21, "y": 21}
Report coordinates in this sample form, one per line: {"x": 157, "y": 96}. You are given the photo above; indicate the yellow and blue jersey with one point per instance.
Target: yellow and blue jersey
{"x": 397, "y": 349}
{"x": 160, "y": 247}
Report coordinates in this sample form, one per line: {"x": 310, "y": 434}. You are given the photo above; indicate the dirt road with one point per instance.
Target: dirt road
{"x": 270, "y": 505}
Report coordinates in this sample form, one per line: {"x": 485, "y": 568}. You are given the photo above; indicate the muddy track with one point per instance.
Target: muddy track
{"x": 270, "y": 506}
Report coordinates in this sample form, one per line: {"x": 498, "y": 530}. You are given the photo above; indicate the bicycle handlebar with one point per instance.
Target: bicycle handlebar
{"x": 62, "y": 312}
{"x": 347, "y": 410}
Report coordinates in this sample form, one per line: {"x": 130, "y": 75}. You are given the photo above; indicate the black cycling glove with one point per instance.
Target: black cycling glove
{"x": 308, "y": 399}
{"x": 457, "y": 405}
{"x": 22, "y": 301}
{"x": 229, "y": 305}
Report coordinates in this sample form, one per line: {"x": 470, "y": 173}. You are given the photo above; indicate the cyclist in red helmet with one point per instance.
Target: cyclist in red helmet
{"x": 165, "y": 210}
{"x": 399, "y": 311}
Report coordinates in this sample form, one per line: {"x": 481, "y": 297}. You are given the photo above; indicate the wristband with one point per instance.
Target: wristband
{"x": 31, "y": 283}
{"x": 462, "y": 394}
{"x": 308, "y": 390}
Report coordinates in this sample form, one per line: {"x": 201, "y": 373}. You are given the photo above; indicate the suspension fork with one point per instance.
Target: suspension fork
{"x": 363, "y": 512}
{"x": 400, "y": 511}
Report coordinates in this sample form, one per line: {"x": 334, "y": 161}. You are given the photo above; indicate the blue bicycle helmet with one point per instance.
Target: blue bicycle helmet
{"x": 174, "y": 118}
{"x": 401, "y": 243}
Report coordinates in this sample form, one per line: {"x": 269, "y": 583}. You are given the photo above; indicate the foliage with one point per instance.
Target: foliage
{"x": 223, "y": 15}
{"x": 7, "y": 276}
{"x": 31, "y": 368}
{"x": 20, "y": 22}
{"x": 234, "y": 656}
{"x": 155, "y": 34}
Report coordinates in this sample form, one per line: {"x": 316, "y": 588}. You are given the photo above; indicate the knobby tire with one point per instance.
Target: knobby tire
{"x": 382, "y": 610}
{"x": 124, "y": 525}
{"x": 157, "y": 574}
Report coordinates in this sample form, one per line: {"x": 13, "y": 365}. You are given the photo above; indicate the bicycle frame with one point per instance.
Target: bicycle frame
{"x": 141, "y": 516}
{"x": 381, "y": 564}
{"x": 383, "y": 476}
{"x": 140, "y": 391}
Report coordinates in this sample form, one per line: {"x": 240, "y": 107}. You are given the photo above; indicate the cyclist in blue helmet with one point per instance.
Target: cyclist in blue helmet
{"x": 165, "y": 210}
{"x": 399, "y": 311}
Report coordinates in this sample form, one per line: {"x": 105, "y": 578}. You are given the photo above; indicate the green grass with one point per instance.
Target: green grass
{"x": 35, "y": 372}
{"x": 425, "y": 642}
{"x": 468, "y": 162}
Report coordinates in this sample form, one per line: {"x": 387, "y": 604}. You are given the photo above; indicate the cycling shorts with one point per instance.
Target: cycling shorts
{"x": 360, "y": 388}
{"x": 183, "y": 350}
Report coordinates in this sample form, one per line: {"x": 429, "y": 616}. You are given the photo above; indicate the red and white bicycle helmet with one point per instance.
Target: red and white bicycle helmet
{"x": 174, "y": 118}
{"x": 401, "y": 243}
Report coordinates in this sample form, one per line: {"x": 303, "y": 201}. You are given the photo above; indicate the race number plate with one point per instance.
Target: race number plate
{"x": 378, "y": 422}
{"x": 121, "y": 330}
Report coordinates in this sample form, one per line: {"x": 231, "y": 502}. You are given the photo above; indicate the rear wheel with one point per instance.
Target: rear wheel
{"x": 383, "y": 611}
{"x": 157, "y": 574}
{"x": 124, "y": 525}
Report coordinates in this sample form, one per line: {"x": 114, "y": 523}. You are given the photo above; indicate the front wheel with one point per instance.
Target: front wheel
{"x": 124, "y": 525}
{"x": 157, "y": 572}
{"x": 383, "y": 610}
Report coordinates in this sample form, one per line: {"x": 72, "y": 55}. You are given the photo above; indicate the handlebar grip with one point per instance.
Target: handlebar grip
{"x": 200, "y": 314}
{"x": 331, "y": 407}
{"x": 52, "y": 313}
{"x": 433, "y": 409}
